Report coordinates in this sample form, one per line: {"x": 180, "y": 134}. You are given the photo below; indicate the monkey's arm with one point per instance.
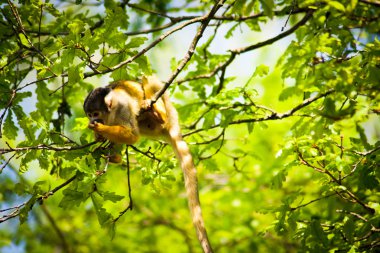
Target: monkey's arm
{"x": 115, "y": 134}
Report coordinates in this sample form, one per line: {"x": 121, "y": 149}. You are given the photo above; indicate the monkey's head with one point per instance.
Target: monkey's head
{"x": 95, "y": 105}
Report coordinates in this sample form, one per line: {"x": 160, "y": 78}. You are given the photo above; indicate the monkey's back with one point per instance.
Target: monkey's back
{"x": 134, "y": 89}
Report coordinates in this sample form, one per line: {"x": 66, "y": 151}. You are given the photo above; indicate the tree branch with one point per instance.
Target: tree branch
{"x": 191, "y": 50}
{"x": 273, "y": 115}
{"x": 303, "y": 21}
{"x": 65, "y": 246}
{"x": 33, "y": 200}
{"x": 237, "y": 51}
{"x": 352, "y": 196}
{"x": 44, "y": 146}
{"x": 374, "y": 3}
{"x": 22, "y": 30}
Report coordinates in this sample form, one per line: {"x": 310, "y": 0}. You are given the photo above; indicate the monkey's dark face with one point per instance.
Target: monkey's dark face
{"x": 96, "y": 117}
{"x": 95, "y": 106}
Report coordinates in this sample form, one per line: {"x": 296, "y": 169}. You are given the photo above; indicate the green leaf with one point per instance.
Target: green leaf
{"x": 144, "y": 65}
{"x": 146, "y": 176}
{"x": 24, "y": 212}
{"x": 136, "y": 42}
{"x": 280, "y": 226}
{"x": 50, "y": 8}
{"x": 20, "y": 96}
{"x": 67, "y": 57}
{"x": 351, "y": 7}
{"x": 121, "y": 74}
{"x": 317, "y": 232}
{"x": 230, "y": 32}
{"x": 24, "y": 40}
{"x": 10, "y": 130}
{"x": 43, "y": 160}
{"x": 111, "y": 196}
{"x": 268, "y": 7}
{"x": 103, "y": 216}
{"x": 227, "y": 117}
{"x": 80, "y": 124}
{"x": 211, "y": 165}
{"x": 28, "y": 127}
{"x": 40, "y": 187}
{"x": 250, "y": 126}
{"x": 289, "y": 92}
{"x": 349, "y": 230}
{"x": 72, "y": 198}
{"x": 337, "y": 5}
{"x": 87, "y": 165}
{"x": 261, "y": 70}
{"x": 116, "y": 18}
{"x": 238, "y": 6}
{"x": 209, "y": 119}
{"x": 75, "y": 74}
{"x": 38, "y": 66}
{"x": 76, "y": 26}
{"x": 24, "y": 164}
{"x": 278, "y": 179}
{"x": 90, "y": 42}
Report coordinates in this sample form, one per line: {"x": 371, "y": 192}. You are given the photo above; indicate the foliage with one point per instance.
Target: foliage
{"x": 287, "y": 153}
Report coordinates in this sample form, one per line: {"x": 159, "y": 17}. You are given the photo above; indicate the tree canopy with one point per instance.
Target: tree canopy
{"x": 278, "y": 100}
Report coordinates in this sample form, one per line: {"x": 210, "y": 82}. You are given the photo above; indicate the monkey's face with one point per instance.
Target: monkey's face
{"x": 96, "y": 117}
{"x": 95, "y": 106}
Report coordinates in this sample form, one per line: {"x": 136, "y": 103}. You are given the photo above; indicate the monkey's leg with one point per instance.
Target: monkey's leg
{"x": 116, "y": 134}
{"x": 114, "y": 155}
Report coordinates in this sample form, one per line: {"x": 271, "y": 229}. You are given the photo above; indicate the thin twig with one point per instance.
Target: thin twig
{"x": 369, "y": 152}
{"x": 6, "y": 163}
{"x": 290, "y": 13}
{"x": 130, "y": 205}
{"x": 312, "y": 201}
{"x": 147, "y": 153}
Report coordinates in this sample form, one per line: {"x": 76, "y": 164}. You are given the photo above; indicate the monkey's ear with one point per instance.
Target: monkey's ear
{"x": 108, "y": 101}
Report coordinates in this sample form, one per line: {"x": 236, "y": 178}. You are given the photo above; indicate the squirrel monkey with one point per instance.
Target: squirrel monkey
{"x": 121, "y": 112}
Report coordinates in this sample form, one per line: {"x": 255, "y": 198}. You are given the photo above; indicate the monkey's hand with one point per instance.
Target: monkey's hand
{"x": 99, "y": 138}
{"x": 146, "y": 105}
{"x": 95, "y": 127}
{"x": 149, "y": 111}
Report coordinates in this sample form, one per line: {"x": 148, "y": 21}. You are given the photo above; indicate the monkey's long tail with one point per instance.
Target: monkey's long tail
{"x": 190, "y": 175}
{"x": 191, "y": 184}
